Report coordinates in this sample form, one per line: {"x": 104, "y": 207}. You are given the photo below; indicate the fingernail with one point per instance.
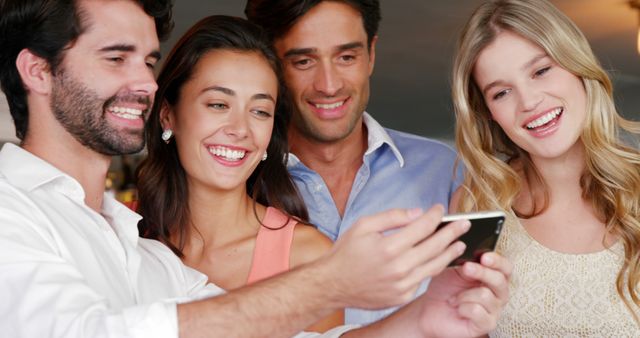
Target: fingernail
{"x": 465, "y": 225}
{"x": 414, "y": 213}
{"x": 487, "y": 260}
{"x": 471, "y": 269}
{"x": 460, "y": 246}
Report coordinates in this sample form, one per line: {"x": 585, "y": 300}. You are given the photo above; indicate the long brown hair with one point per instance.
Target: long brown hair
{"x": 162, "y": 180}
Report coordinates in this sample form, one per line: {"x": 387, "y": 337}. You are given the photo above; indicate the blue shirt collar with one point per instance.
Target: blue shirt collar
{"x": 377, "y": 137}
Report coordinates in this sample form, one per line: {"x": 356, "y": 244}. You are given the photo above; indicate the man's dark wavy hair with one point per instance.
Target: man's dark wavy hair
{"x": 47, "y": 28}
{"x": 276, "y": 17}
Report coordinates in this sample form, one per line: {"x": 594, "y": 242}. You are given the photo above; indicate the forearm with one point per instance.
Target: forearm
{"x": 277, "y": 307}
{"x": 402, "y": 323}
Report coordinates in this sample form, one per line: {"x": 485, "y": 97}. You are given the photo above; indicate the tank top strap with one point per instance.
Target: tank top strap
{"x": 272, "y": 251}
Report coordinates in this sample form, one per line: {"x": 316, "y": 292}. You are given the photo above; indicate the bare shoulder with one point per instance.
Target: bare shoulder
{"x": 308, "y": 245}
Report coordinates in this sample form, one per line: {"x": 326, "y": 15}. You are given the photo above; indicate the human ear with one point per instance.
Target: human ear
{"x": 372, "y": 53}
{"x": 34, "y": 71}
{"x": 167, "y": 116}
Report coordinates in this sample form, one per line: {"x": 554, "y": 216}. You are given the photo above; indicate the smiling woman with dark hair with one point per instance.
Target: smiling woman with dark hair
{"x": 214, "y": 186}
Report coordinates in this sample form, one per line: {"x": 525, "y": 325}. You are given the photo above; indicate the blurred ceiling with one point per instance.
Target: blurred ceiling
{"x": 410, "y": 85}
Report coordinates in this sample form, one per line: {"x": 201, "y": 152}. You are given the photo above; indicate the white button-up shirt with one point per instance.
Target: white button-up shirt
{"x": 68, "y": 271}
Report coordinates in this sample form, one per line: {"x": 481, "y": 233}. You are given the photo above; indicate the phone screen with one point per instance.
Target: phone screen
{"x": 481, "y": 237}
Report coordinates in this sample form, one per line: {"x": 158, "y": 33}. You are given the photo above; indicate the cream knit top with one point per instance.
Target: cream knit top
{"x": 554, "y": 294}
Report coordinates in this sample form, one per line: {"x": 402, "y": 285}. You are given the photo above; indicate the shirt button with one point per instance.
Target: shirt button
{"x": 318, "y": 187}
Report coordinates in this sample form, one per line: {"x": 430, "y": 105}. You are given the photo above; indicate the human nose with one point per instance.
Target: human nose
{"x": 529, "y": 99}
{"x": 143, "y": 81}
{"x": 236, "y": 125}
{"x": 327, "y": 80}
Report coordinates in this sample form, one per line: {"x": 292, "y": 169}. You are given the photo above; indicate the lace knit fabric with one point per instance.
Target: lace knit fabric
{"x": 553, "y": 294}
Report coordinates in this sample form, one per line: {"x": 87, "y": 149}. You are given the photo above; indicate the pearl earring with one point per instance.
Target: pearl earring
{"x": 264, "y": 157}
{"x": 166, "y": 135}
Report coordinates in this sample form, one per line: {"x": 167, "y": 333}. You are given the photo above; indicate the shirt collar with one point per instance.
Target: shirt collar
{"x": 123, "y": 220}
{"x": 377, "y": 136}
{"x": 29, "y": 172}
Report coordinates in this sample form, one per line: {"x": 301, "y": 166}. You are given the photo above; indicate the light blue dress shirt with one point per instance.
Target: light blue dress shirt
{"x": 399, "y": 170}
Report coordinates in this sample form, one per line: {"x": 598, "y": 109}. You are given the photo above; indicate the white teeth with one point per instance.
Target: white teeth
{"x": 227, "y": 154}
{"x": 329, "y": 106}
{"x": 544, "y": 119}
{"x": 126, "y": 113}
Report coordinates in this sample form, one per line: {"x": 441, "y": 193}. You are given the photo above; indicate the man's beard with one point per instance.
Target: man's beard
{"x": 82, "y": 113}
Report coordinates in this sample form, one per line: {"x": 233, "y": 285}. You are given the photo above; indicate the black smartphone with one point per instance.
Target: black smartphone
{"x": 481, "y": 237}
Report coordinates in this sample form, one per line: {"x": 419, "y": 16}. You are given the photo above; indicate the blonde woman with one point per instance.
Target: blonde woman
{"x": 538, "y": 133}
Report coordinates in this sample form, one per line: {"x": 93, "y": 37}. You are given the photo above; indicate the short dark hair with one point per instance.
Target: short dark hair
{"x": 162, "y": 181}
{"x": 47, "y": 28}
{"x": 276, "y": 17}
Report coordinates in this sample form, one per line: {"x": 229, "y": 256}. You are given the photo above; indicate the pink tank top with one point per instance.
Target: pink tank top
{"x": 273, "y": 247}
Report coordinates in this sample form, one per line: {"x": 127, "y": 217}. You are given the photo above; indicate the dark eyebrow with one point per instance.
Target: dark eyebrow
{"x": 118, "y": 48}
{"x": 299, "y": 51}
{"x": 263, "y": 97}
{"x": 350, "y": 45}
{"x": 231, "y": 92}
{"x": 223, "y": 90}
{"x": 310, "y": 50}
{"x": 128, "y": 48}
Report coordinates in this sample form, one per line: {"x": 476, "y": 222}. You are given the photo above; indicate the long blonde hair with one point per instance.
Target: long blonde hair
{"x": 611, "y": 180}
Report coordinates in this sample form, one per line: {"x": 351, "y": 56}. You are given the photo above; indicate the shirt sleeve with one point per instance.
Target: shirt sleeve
{"x": 458, "y": 174}
{"x": 336, "y": 332}
{"x": 45, "y": 296}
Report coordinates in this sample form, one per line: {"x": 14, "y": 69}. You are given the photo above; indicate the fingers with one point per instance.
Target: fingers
{"x": 481, "y": 296}
{"x": 494, "y": 272}
{"x": 423, "y": 227}
{"x": 497, "y": 262}
{"x": 387, "y": 220}
{"x": 421, "y": 251}
{"x": 482, "y": 304}
{"x": 479, "y": 318}
{"x": 419, "y": 229}
{"x": 435, "y": 265}
{"x": 438, "y": 249}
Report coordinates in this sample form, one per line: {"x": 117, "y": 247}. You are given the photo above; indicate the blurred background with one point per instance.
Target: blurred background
{"x": 410, "y": 84}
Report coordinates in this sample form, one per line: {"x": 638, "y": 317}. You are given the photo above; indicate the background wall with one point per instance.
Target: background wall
{"x": 410, "y": 85}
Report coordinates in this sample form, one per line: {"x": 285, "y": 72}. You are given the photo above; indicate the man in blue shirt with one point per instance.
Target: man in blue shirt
{"x": 345, "y": 164}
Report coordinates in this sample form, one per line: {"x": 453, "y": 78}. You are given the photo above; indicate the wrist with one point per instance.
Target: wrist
{"x": 403, "y": 323}
{"x": 325, "y": 278}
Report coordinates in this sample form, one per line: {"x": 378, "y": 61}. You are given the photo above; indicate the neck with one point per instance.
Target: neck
{"x": 327, "y": 156}
{"x": 62, "y": 151}
{"x": 219, "y": 217}
{"x": 562, "y": 175}
{"x": 563, "y": 171}
{"x": 337, "y": 162}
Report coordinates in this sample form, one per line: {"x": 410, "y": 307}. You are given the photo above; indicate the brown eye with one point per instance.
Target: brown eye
{"x": 262, "y": 113}
{"x": 542, "y": 71}
{"x": 500, "y": 94}
{"x": 217, "y": 106}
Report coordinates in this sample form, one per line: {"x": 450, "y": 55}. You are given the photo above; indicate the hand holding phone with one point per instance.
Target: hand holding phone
{"x": 481, "y": 237}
